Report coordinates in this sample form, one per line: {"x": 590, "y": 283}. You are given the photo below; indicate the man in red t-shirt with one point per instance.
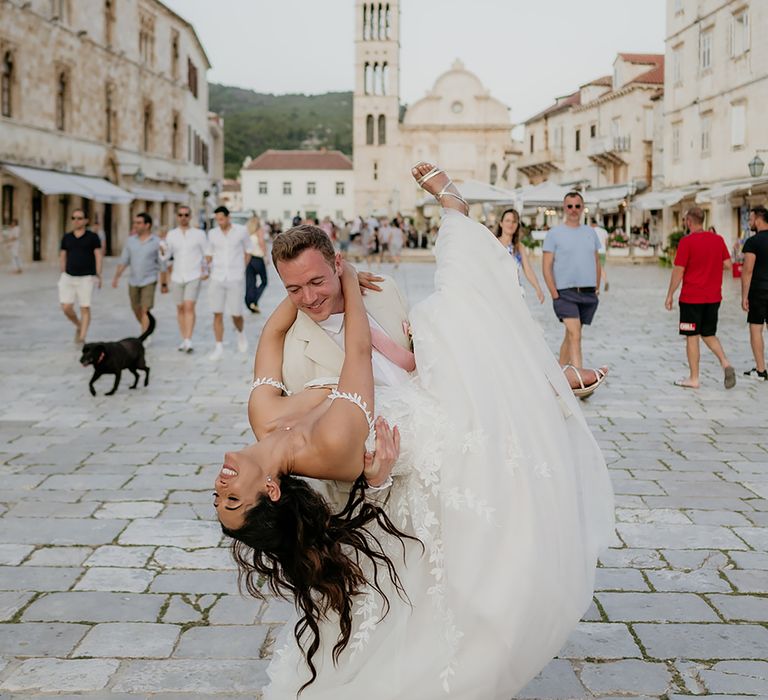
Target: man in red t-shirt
{"x": 699, "y": 263}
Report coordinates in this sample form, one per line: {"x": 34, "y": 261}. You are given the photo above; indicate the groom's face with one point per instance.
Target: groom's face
{"x": 313, "y": 284}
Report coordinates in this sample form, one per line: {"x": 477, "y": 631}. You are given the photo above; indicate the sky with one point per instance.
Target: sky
{"x": 526, "y": 52}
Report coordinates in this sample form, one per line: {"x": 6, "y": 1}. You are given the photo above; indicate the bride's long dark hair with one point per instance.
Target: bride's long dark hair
{"x": 307, "y": 553}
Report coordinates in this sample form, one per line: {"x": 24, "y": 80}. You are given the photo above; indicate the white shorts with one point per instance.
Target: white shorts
{"x": 73, "y": 289}
{"x": 185, "y": 291}
{"x": 227, "y": 297}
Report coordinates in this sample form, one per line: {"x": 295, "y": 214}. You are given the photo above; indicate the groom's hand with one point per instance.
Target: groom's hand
{"x": 367, "y": 281}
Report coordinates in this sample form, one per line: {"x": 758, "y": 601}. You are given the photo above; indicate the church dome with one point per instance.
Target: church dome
{"x": 458, "y": 97}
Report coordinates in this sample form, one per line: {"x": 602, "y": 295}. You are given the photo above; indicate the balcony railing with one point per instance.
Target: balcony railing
{"x": 542, "y": 161}
{"x": 608, "y": 149}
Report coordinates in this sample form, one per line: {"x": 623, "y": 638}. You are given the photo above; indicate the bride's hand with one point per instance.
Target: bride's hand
{"x": 367, "y": 281}
{"x": 378, "y": 465}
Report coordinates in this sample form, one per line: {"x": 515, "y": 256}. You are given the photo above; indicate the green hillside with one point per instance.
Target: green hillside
{"x": 254, "y": 122}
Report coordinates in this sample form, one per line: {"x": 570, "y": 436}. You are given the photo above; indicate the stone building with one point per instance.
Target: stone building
{"x": 316, "y": 184}
{"x": 715, "y": 93}
{"x": 457, "y": 124}
{"x": 600, "y": 137}
{"x": 104, "y": 106}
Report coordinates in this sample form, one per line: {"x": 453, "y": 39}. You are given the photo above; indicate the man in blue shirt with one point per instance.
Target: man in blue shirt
{"x": 571, "y": 269}
{"x": 142, "y": 254}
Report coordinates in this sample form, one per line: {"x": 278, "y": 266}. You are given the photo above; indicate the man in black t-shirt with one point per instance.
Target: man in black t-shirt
{"x": 80, "y": 261}
{"x": 754, "y": 288}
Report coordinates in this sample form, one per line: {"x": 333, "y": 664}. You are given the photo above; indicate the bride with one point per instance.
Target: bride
{"x": 461, "y": 573}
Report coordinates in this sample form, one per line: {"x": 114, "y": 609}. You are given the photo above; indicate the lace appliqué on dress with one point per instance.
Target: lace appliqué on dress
{"x": 370, "y": 443}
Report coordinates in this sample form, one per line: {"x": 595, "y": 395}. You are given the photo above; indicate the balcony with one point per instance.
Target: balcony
{"x": 609, "y": 150}
{"x": 541, "y": 163}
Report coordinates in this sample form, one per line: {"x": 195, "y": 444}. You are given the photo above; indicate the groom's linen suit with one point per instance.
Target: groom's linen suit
{"x": 310, "y": 353}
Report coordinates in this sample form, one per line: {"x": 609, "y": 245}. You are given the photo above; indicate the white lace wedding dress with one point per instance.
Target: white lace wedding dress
{"x": 499, "y": 477}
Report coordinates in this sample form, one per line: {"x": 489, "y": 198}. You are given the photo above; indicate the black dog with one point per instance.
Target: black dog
{"x": 113, "y": 358}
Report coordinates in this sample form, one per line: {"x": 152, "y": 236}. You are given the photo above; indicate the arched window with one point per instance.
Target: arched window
{"x": 382, "y": 19}
{"x": 384, "y": 78}
{"x": 388, "y": 31}
{"x": 369, "y": 130}
{"x": 368, "y": 78}
{"x": 376, "y": 79}
{"x": 109, "y": 21}
{"x": 494, "y": 174}
{"x": 147, "y": 129}
{"x": 371, "y": 21}
{"x": 62, "y": 88}
{"x": 6, "y": 86}
{"x": 366, "y": 33}
{"x": 109, "y": 112}
{"x": 382, "y": 130}
{"x": 175, "y": 136}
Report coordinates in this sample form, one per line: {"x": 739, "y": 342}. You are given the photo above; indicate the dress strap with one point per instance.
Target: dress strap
{"x": 271, "y": 382}
{"x": 356, "y": 399}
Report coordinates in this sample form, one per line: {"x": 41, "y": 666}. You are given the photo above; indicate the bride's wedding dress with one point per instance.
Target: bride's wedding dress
{"x": 502, "y": 481}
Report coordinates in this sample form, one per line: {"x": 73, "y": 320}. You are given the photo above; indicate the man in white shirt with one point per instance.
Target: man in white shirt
{"x": 187, "y": 246}
{"x": 228, "y": 246}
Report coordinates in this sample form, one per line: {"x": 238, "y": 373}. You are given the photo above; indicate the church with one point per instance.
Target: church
{"x": 457, "y": 124}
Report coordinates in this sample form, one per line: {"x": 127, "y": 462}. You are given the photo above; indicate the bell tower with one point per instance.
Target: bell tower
{"x": 376, "y": 106}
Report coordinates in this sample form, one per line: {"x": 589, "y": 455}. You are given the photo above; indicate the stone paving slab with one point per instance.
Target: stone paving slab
{"x": 119, "y": 584}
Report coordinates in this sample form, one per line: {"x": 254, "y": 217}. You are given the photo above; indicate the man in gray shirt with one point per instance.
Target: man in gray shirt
{"x": 142, "y": 254}
{"x": 572, "y": 273}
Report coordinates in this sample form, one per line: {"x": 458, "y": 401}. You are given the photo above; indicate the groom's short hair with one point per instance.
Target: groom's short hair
{"x": 291, "y": 243}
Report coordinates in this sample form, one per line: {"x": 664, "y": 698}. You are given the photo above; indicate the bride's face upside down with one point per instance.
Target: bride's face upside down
{"x": 245, "y": 477}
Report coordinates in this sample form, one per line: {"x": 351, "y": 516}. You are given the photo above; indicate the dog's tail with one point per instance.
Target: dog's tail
{"x": 149, "y": 330}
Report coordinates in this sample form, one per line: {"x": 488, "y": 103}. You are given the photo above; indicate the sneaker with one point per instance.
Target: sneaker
{"x": 254, "y": 308}
{"x": 242, "y": 342}
{"x": 217, "y": 353}
{"x": 182, "y": 346}
{"x": 754, "y": 374}
{"x": 189, "y": 349}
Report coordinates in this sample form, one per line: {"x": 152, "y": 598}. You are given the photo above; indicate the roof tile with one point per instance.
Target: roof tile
{"x": 300, "y": 160}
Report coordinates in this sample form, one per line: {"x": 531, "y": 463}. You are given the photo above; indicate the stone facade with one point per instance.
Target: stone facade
{"x": 715, "y": 94}
{"x": 457, "y": 124}
{"x": 601, "y": 136}
{"x": 110, "y": 89}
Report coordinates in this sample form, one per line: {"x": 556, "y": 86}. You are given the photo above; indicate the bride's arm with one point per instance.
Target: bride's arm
{"x": 339, "y": 434}
{"x": 266, "y": 400}
{"x": 269, "y": 353}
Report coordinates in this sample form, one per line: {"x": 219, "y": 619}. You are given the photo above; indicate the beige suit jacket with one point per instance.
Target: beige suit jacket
{"x": 309, "y": 353}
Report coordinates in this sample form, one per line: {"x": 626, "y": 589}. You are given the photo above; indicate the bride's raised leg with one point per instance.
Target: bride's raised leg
{"x": 435, "y": 181}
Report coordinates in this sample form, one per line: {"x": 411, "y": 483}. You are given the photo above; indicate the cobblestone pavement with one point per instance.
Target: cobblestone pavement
{"x": 114, "y": 581}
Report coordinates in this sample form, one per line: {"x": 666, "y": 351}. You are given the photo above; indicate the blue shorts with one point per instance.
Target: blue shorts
{"x": 573, "y": 304}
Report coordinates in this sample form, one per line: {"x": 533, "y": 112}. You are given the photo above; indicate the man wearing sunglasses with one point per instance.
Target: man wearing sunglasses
{"x": 80, "y": 260}
{"x": 571, "y": 269}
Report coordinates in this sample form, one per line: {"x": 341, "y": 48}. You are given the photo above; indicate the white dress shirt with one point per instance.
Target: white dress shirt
{"x": 188, "y": 250}
{"x": 385, "y": 372}
{"x": 228, "y": 252}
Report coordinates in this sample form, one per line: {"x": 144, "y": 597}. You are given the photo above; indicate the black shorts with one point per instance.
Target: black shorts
{"x": 698, "y": 319}
{"x": 758, "y": 307}
{"x": 573, "y": 304}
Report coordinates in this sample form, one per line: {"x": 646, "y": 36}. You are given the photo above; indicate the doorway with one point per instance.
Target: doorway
{"x": 107, "y": 226}
{"x": 37, "y": 225}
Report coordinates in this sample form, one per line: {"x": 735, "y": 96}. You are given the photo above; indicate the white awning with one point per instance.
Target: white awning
{"x": 53, "y": 182}
{"x": 661, "y": 198}
{"x": 608, "y": 199}
{"x": 152, "y": 195}
{"x": 723, "y": 189}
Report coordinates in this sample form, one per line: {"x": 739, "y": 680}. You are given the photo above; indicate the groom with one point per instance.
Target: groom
{"x": 310, "y": 269}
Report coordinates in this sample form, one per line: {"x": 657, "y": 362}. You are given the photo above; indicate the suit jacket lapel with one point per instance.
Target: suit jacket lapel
{"x": 320, "y": 348}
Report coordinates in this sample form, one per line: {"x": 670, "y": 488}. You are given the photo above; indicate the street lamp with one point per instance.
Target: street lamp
{"x": 756, "y": 166}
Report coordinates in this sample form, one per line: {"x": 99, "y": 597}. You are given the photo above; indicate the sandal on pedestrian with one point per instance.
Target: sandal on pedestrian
{"x": 729, "y": 377}
{"x": 684, "y": 384}
{"x": 585, "y": 390}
